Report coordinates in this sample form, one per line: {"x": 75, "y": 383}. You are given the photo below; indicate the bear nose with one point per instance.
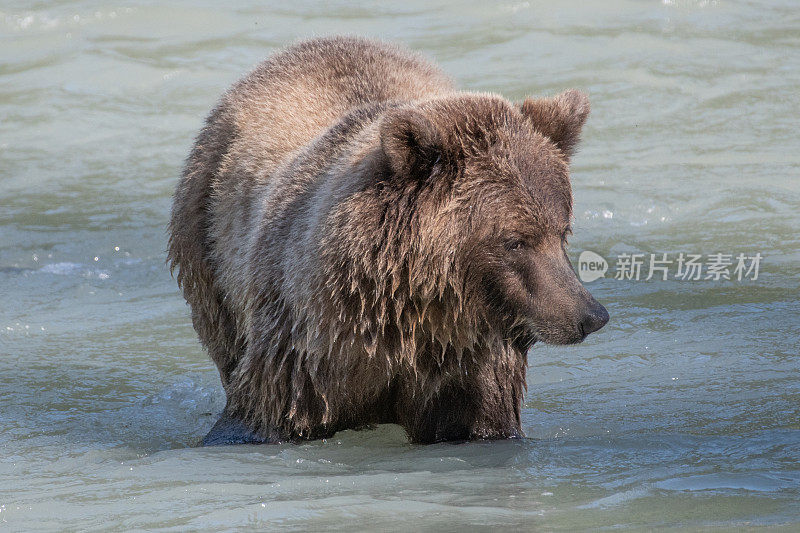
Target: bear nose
{"x": 594, "y": 319}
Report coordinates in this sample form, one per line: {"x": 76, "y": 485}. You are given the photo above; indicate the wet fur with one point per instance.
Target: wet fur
{"x": 321, "y": 236}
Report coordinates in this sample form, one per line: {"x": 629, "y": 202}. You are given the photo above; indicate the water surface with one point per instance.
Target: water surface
{"x": 683, "y": 412}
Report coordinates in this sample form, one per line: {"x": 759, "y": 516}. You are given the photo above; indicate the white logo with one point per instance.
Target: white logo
{"x": 591, "y": 266}
{"x": 634, "y": 266}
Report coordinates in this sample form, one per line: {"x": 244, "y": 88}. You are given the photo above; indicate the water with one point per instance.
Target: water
{"x": 684, "y": 411}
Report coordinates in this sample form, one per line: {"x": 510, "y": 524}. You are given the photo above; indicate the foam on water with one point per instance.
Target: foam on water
{"x": 70, "y": 269}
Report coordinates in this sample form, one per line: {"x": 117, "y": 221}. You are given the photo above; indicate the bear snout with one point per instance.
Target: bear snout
{"x": 594, "y": 318}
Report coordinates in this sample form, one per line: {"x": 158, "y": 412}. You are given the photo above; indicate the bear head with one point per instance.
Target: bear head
{"x": 492, "y": 202}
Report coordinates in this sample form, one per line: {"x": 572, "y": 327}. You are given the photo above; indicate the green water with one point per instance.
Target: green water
{"x": 684, "y": 411}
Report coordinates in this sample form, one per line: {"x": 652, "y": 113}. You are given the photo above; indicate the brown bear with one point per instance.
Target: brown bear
{"x": 361, "y": 243}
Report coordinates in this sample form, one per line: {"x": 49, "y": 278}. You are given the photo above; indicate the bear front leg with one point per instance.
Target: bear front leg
{"x": 483, "y": 403}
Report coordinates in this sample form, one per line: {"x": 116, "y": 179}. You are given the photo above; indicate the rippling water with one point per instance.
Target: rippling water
{"x": 684, "y": 411}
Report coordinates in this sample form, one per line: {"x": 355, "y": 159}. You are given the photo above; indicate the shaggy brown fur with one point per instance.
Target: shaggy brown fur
{"x": 360, "y": 243}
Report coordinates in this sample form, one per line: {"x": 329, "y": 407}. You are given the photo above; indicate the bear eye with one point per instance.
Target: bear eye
{"x": 514, "y": 244}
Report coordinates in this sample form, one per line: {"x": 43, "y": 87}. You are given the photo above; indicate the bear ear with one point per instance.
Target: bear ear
{"x": 410, "y": 141}
{"x": 560, "y": 118}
